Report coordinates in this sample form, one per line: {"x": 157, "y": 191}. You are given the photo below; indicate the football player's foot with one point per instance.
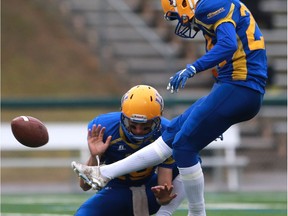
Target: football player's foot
{"x": 91, "y": 175}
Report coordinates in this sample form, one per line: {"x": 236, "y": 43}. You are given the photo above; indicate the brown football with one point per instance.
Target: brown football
{"x": 29, "y": 131}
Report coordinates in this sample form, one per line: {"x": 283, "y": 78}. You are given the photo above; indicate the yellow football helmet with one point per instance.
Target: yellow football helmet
{"x": 141, "y": 104}
{"x": 183, "y": 11}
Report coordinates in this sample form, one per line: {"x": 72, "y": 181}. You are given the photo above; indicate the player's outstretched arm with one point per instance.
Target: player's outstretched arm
{"x": 163, "y": 194}
{"x": 163, "y": 191}
{"x": 95, "y": 140}
{"x": 169, "y": 197}
{"x": 180, "y": 78}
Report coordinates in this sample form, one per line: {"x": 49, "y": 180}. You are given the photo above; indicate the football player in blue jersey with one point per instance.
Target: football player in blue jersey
{"x": 114, "y": 136}
{"x": 235, "y": 46}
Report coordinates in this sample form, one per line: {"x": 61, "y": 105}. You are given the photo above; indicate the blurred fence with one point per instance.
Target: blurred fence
{"x": 257, "y": 145}
{"x": 36, "y": 103}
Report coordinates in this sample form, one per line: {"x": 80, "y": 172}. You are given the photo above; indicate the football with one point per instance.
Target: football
{"x": 29, "y": 131}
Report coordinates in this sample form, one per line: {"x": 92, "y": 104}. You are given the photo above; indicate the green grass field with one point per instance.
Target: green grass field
{"x": 217, "y": 204}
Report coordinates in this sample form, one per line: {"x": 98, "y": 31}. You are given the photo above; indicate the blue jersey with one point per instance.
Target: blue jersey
{"x": 120, "y": 147}
{"x": 116, "y": 198}
{"x": 219, "y": 20}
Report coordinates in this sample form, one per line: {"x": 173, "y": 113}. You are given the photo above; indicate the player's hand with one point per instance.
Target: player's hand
{"x": 180, "y": 78}
{"x": 95, "y": 140}
{"x": 163, "y": 194}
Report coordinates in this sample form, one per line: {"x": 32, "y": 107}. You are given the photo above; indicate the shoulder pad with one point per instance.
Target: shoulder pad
{"x": 209, "y": 12}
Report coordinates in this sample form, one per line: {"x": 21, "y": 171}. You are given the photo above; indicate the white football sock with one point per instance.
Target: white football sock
{"x": 167, "y": 210}
{"x": 151, "y": 155}
{"x": 193, "y": 181}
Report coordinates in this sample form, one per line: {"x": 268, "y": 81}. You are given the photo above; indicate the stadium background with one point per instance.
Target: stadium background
{"x": 57, "y": 50}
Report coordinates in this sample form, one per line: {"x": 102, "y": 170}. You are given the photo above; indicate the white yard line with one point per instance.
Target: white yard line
{"x": 242, "y": 206}
{"x": 211, "y": 206}
{"x": 41, "y": 200}
{"x": 238, "y": 206}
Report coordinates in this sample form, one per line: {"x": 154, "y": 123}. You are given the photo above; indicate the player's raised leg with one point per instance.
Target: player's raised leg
{"x": 151, "y": 155}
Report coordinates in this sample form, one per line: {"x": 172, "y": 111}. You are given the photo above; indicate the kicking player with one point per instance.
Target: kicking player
{"x": 114, "y": 136}
{"x": 235, "y": 46}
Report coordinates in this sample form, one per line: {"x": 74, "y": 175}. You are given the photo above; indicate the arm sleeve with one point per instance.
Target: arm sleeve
{"x": 224, "y": 48}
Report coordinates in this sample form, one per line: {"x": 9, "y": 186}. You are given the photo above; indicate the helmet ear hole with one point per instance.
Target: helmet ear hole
{"x": 184, "y": 3}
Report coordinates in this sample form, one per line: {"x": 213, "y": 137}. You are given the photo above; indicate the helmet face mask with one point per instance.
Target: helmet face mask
{"x": 186, "y": 30}
{"x": 154, "y": 126}
{"x": 183, "y": 11}
{"x": 142, "y": 104}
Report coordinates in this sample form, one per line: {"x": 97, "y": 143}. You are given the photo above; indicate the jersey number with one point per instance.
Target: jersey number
{"x": 253, "y": 43}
